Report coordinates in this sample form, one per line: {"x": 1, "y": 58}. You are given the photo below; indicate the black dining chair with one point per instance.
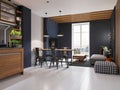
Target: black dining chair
{"x": 53, "y": 58}
{"x": 39, "y": 58}
{"x": 60, "y": 58}
{"x": 65, "y": 56}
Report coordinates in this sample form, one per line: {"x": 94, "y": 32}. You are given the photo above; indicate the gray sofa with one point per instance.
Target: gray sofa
{"x": 97, "y": 57}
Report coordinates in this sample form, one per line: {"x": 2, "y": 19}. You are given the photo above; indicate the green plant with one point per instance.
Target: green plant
{"x": 15, "y": 33}
{"x": 106, "y": 51}
{"x": 16, "y": 42}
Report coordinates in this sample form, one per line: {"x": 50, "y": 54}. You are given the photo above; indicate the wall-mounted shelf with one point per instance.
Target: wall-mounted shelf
{"x": 7, "y": 8}
{"x": 7, "y": 12}
{"x": 16, "y": 37}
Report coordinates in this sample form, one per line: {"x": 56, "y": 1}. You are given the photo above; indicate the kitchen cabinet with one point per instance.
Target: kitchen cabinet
{"x": 7, "y": 12}
{"x": 11, "y": 61}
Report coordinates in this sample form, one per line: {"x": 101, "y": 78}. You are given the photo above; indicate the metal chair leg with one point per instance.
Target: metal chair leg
{"x": 35, "y": 61}
{"x": 46, "y": 63}
{"x": 67, "y": 62}
{"x": 41, "y": 63}
{"x": 50, "y": 64}
{"x": 57, "y": 63}
{"x": 62, "y": 62}
{"x": 53, "y": 63}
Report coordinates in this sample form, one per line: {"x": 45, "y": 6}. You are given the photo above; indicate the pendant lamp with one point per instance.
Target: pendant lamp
{"x": 60, "y": 33}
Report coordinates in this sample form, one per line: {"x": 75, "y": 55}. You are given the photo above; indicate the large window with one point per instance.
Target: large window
{"x": 80, "y": 38}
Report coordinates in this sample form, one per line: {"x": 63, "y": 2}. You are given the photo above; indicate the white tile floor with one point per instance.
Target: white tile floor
{"x": 73, "y": 78}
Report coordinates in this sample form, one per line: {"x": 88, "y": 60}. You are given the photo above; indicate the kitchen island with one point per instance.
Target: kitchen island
{"x": 11, "y": 61}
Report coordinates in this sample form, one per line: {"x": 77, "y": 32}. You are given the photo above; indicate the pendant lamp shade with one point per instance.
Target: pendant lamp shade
{"x": 60, "y": 34}
{"x": 45, "y": 28}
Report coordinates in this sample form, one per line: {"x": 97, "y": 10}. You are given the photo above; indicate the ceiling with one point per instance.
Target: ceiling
{"x": 40, "y": 7}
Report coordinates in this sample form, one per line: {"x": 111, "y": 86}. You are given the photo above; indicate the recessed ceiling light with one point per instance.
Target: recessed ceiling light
{"x": 60, "y": 11}
{"x": 47, "y": 1}
{"x": 46, "y": 13}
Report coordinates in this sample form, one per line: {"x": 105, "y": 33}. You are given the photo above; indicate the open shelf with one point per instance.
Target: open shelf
{"x": 7, "y": 12}
{"x": 16, "y": 37}
{"x": 7, "y": 8}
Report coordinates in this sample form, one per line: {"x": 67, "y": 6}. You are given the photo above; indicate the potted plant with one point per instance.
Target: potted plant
{"x": 106, "y": 51}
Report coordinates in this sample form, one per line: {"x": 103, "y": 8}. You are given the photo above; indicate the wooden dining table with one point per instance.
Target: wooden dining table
{"x": 47, "y": 49}
{"x": 65, "y": 54}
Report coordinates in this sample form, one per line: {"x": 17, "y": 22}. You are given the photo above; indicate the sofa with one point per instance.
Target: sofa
{"x": 96, "y": 57}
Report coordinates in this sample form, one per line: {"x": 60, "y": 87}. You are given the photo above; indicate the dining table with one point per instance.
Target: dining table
{"x": 45, "y": 49}
{"x": 64, "y": 51}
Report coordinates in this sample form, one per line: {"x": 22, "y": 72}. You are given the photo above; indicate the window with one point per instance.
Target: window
{"x": 80, "y": 38}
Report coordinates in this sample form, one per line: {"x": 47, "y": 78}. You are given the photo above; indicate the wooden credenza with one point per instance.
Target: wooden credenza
{"x": 11, "y": 61}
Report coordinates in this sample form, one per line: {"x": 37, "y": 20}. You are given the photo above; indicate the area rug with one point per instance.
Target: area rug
{"x": 83, "y": 63}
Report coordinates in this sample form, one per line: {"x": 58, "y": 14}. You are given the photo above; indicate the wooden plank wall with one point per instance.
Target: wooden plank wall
{"x": 117, "y": 35}
{"x": 83, "y": 17}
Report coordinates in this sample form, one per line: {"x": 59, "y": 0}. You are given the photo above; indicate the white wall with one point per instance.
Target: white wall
{"x": 36, "y": 34}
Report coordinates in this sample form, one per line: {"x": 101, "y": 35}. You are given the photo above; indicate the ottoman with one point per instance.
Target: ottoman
{"x": 105, "y": 67}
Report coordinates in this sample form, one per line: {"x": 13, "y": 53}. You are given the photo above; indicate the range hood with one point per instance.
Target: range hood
{"x": 5, "y": 27}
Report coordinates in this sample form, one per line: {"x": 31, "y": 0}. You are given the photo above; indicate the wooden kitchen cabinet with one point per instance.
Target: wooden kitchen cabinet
{"x": 7, "y": 12}
{"x": 11, "y": 61}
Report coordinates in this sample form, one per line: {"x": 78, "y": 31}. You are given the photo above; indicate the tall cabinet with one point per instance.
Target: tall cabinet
{"x": 26, "y": 34}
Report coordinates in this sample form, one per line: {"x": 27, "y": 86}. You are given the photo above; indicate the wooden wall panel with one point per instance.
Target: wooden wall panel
{"x": 101, "y": 15}
{"x": 83, "y": 17}
{"x": 117, "y": 34}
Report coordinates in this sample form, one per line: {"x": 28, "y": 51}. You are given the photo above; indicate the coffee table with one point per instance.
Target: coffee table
{"x": 79, "y": 57}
